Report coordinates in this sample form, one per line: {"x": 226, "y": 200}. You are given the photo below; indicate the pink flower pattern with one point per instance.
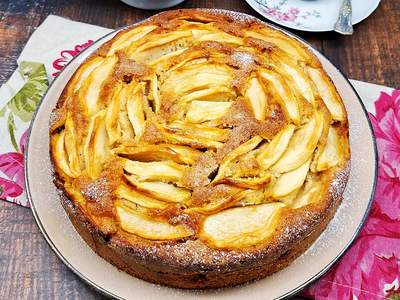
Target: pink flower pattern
{"x": 373, "y": 261}
{"x": 288, "y": 14}
{"x": 12, "y": 165}
{"x": 67, "y": 55}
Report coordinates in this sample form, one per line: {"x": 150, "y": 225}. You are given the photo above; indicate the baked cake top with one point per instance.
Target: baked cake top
{"x": 200, "y": 127}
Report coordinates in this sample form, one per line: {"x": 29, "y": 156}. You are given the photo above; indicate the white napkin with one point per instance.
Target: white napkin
{"x": 53, "y": 44}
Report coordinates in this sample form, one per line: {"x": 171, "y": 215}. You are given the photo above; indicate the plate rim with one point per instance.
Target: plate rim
{"x": 295, "y": 290}
{"x": 253, "y": 4}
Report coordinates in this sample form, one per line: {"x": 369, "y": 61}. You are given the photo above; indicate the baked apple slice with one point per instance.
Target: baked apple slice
{"x": 89, "y": 92}
{"x": 155, "y": 171}
{"x": 331, "y": 155}
{"x": 157, "y": 41}
{"x": 221, "y": 37}
{"x": 127, "y": 193}
{"x": 255, "y": 94}
{"x": 240, "y": 227}
{"x": 269, "y": 154}
{"x": 214, "y": 93}
{"x": 293, "y": 48}
{"x": 301, "y": 145}
{"x": 328, "y": 93}
{"x": 72, "y": 148}
{"x": 196, "y": 77}
{"x": 202, "y": 111}
{"x": 224, "y": 169}
{"x": 291, "y": 181}
{"x": 145, "y": 153}
{"x": 142, "y": 225}
{"x": 127, "y": 38}
{"x": 300, "y": 80}
{"x": 59, "y": 154}
{"x": 282, "y": 94}
{"x": 308, "y": 195}
{"x": 135, "y": 109}
{"x": 161, "y": 190}
{"x": 96, "y": 147}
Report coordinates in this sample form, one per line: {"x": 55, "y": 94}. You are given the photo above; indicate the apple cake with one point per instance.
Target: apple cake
{"x": 200, "y": 149}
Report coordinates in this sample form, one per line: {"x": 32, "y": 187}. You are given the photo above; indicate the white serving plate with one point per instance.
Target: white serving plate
{"x": 73, "y": 251}
{"x": 311, "y": 15}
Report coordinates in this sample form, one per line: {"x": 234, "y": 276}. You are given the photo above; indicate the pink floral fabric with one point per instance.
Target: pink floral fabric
{"x": 370, "y": 269}
{"x": 67, "y": 55}
{"x": 12, "y": 165}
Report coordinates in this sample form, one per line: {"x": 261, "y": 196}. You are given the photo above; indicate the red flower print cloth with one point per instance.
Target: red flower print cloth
{"x": 12, "y": 165}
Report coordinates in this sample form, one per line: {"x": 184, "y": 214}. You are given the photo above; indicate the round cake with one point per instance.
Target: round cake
{"x": 200, "y": 149}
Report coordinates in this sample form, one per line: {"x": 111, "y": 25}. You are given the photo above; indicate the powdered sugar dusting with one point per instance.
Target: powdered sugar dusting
{"x": 242, "y": 59}
{"x": 96, "y": 190}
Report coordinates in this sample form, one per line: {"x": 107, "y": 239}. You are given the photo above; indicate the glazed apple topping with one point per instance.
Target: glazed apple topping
{"x": 235, "y": 127}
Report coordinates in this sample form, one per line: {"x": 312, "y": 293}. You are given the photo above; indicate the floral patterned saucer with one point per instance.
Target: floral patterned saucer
{"x": 310, "y": 15}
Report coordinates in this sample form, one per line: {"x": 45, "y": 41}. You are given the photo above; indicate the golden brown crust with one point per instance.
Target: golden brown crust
{"x": 215, "y": 269}
{"x": 100, "y": 170}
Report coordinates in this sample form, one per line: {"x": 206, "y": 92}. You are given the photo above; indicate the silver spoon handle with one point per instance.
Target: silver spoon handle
{"x": 343, "y": 24}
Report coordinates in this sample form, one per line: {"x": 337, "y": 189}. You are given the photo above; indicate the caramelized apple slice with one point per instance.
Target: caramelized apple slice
{"x": 257, "y": 98}
{"x": 201, "y": 111}
{"x": 157, "y": 40}
{"x": 282, "y": 94}
{"x": 82, "y": 73}
{"x": 113, "y": 126}
{"x": 59, "y": 155}
{"x": 240, "y": 227}
{"x": 196, "y": 77}
{"x": 134, "y": 196}
{"x": 310, "y": 194}
{"x": 301, "y": 145}
{"x": 153, "y": 93}
{"x": 194, "y": 135}
{"x": 161, "y": 190}
{"x": 300, "y": 80}
{"x": 135, "y": 109}
{"x": 71, "y": 146}
{"x": 223, "y": 170}
{"x": 291, "y": 181}
{"x": 91, "y": 87}
{"x": 247, "y": 182}
{"x": 197, "y": 130}
{"x": 269, "y": 154}
{"x": 96, "y": 147}
{"x": 219, "y": 201}
{"x": 221, "y": 37}
{"x": 282, "y": 41}
{"x": 186, "y": 59}
{"x": 331, "y": 155}
{"x": 145, "y": 153}
{"x": 155, "y": 171}
{"x": 216, "y": 93}
{"x": 146, "y": 227}
{"x": 328, "y": 93}
{"x": 163, "y": 62}
{"x": 127, "y": 38}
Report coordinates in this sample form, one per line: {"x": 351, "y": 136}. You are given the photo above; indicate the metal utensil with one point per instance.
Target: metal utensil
{"x": 343, "y": 24}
